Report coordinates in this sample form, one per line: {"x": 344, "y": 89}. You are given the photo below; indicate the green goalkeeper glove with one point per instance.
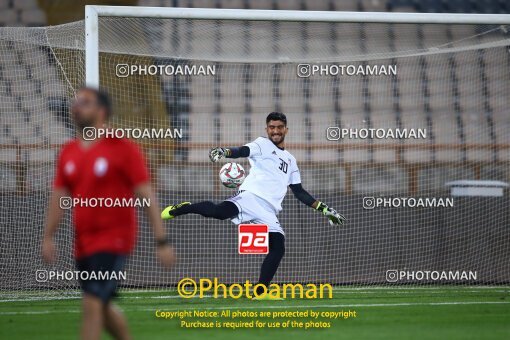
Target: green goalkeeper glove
{"x": 217, "y": 153}
{"x": 331, "y": 214}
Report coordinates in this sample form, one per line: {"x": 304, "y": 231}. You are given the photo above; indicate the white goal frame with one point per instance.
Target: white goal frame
{"x": 93, "y": 12}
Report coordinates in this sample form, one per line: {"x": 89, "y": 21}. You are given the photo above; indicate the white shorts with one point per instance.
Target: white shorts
{"x": 253, "y": 209}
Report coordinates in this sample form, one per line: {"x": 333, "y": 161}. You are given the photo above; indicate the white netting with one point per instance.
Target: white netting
{"x": 452, "y": 80}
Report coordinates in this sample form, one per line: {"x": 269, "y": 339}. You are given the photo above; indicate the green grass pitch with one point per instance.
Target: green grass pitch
{"x": 381, "y": 313}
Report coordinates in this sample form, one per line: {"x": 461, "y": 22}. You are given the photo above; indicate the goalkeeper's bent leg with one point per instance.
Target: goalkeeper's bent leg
{"x": 220, "y": 211}
{"x": 272, "y": 260}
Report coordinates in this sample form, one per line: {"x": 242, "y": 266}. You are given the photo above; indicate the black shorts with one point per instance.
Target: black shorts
{"x": 100, "y": 264}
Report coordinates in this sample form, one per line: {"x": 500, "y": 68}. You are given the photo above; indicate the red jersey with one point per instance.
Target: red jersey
{"x": 109, "y": 168}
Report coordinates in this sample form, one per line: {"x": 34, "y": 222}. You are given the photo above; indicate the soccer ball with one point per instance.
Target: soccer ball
{"x": 232, "y": 175}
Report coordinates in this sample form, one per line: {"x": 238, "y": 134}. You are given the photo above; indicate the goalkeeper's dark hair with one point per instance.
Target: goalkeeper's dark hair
{"x": 276, "y": 116}
{"x": 103, "y": 99}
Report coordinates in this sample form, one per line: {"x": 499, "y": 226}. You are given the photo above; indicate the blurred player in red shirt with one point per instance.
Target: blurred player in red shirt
{"x": 105, "y": 168}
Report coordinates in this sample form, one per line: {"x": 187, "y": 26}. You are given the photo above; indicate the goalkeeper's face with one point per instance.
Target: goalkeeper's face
{"x": 85, "y": 109}
{"x": 276, "y": 131}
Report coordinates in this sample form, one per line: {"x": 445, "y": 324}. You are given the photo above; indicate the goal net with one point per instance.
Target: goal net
{"x": 381, "y": 117}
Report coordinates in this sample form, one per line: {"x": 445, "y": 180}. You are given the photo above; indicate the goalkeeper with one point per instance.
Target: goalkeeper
{"x": 259, "y": 198}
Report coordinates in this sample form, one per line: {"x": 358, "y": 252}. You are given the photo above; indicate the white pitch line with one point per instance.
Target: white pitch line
{"x": 55, "y": 298}
{"x": 336, "y": 290}
{"x": 428, "y": 292}
{"x": 79, "y": 297}
{"x": 443, "y": 288}
{"x": 347, "y": 305}
{"x": 230, "y": 307}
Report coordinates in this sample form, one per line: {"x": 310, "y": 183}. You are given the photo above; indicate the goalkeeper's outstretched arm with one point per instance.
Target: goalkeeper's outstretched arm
{"x": 303, "y": 196}
{"x": 218, "y": 153}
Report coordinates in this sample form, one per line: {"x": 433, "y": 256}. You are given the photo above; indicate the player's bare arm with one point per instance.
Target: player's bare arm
{"x": 53, "y": 218}
{"x": 165, "y": 251}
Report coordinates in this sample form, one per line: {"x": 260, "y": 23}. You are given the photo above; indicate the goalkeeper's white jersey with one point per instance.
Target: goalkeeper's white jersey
{"x": 272, "y": 171}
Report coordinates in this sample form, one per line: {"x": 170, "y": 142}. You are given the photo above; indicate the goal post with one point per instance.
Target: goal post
{"x": 93, "y": 12}
{"x": 91, "y": 46}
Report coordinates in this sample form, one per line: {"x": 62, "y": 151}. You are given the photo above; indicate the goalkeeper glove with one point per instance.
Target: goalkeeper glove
{"x": 217, "y": 153}
{"x": 331, "y": 214}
